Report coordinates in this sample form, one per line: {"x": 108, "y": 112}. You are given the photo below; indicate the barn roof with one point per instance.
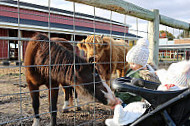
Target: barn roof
{"x": 10, "y": 21}
{"x": 59, "y": 10}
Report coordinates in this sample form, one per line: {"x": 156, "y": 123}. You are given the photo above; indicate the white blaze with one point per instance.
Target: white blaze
{"x": 109, "y": 95}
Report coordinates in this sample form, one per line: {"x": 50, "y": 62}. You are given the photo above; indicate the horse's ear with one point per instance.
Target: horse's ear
{"x": 106, "y": 43}
{"x": 102, "y": 36}
{"x": 99, "y": 38}
{"x": 83, "y": 41}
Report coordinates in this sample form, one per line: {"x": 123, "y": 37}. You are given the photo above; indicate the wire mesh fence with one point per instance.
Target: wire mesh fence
{"x": 98, "y": 60}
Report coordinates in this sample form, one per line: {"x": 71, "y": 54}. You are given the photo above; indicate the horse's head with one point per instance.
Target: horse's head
{"x": 92, "y": 84}
{"x": 94, "y": 46}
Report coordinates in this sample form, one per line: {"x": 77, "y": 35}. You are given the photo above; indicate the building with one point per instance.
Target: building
{"x": 177, "y": 50}
{"x": 35, "y": 15}
{"x": 34, "y": 18}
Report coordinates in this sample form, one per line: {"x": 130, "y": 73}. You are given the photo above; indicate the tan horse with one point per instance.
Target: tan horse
{"x": 103, "y": 48}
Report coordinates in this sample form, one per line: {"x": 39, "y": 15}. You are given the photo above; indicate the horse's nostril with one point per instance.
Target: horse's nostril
{"x": 91, "y": 59}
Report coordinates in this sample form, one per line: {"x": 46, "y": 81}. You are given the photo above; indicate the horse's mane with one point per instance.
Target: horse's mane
{"x": 100, "y": 39}
{"x": 97, "y": 39}
{"x": 62, "y": 60}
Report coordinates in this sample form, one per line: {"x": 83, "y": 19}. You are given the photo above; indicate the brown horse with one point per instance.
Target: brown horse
{"x": 62, "y": 72}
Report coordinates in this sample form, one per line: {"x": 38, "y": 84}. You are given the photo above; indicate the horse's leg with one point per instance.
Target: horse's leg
{"x": 53, "y": 105}
{"x": 126, "y": 68}
{"x": 109, "y": 72}
{"x": 76, "y": 99}
{"x": 69, "y": 98}
{"x": 35, "y": 102}
{"x": 67, "y": 101}
{"x": 119, "y": 73}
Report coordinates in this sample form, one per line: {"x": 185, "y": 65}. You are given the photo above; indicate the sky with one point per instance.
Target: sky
{"x": 177, "y": 9}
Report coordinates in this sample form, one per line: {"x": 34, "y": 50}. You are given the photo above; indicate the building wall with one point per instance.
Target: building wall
{"x": 6, "y": 11}
{"x": 182, "y": 41}
{"x": 9, "y": 14}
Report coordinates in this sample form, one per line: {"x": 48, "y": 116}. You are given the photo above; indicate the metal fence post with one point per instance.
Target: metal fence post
{"x": 153, "y": 37}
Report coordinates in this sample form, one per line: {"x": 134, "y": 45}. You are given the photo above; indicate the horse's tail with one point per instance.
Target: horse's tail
{"x": 32, "y": 48}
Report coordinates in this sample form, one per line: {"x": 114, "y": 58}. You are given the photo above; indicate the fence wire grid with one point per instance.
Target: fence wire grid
{"x": 15, "y": 101}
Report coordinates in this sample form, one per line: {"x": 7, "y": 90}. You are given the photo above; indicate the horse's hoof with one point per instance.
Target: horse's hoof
{"x": 36, "y": 122}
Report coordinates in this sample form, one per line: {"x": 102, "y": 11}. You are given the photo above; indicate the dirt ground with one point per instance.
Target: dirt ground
{"x": 16, "y": 109}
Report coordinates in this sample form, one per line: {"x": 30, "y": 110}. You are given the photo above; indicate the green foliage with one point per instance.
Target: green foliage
{"x": 169, "y": 35}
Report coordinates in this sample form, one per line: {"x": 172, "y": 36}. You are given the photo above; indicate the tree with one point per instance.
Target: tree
{"x": 166, "y": 34}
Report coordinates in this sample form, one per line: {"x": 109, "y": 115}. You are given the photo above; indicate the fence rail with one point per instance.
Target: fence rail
{"x": 125, "y": 7}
